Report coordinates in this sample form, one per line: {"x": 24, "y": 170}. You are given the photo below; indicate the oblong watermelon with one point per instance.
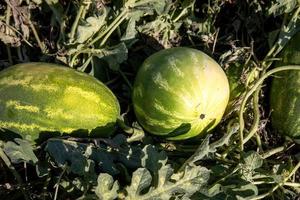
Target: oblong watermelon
{"x": 180, "y": 93}
{"x": 37, "y": 98}
{"x": 285, "y": 92}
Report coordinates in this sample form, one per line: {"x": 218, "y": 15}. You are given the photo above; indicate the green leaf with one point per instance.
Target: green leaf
{"x": 280, "y": 7}
{"x": 272, "y": 36}
{"x": 234, "y": 188}
{"x": 107, "y": 189}
{"x": 252, "y": 160}
{"x": 42, "y": 168}
{"x": 104, "y": 160}
{"x": 20, "y": 151}
{"x": 147, "y": 6}
{"x": 202, "y": 150}
{"x": 170, "y": 185}
{"x": 205, "y": 148}
{"x": 141, "y": 179}
{"x": 113, "y": 56}
{"x": 8, "y": 36}
{"x": 153, "y": 160}
{"x": 68, "y": 153}
{"x": 82, "y": 157}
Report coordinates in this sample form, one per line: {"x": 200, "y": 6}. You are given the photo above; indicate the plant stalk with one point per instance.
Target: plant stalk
{"x": 251, "y": 91}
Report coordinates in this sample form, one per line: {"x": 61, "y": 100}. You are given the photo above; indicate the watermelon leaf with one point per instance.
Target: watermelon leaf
{"x": 114, "y": 55}
{"x": 280, "y": 7}
{"x": 68, "y": 153}
{"x": 181, "y": 185}
{"x": 235, "y": 190}
{"x": 205, "y": 149}
{"x": 251, "y": 161}
{"x": 91, "y": 26}
{"x": 107, "y": 188}
{"x": 20, "y": 151}
{"x": 153, "y": 160}
{"x": 105, "y": 156}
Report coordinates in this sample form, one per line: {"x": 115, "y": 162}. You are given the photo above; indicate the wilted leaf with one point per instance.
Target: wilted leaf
{"x": 20, "y": 151}
{"x": 131, "y": 31}
{"x": 91, "y": 26}
{"x": 163, "y": 31}
{"x": 21, "y": 15}
{"x": 8, "y": 36}
{"x": 113, "y": 56}
{"x": 37, "y": 1}
{"x": 107, "y": 189}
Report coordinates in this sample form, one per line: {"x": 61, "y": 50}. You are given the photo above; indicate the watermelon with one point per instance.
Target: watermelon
{"x": 180, "y": 93}
{"x": 38, "y": 99}
{"x": 285, "y": 92}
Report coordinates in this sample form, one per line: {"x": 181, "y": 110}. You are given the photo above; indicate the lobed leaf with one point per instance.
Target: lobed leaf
{"x": 91, "y": 26}
{"x": 20, "y": 151}
{"x": 170, "y": 185}
{"x": 280, "y": 7}
{"x": 107, "y": 188}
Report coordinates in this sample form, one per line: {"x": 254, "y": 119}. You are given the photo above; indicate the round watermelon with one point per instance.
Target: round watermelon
{"x": 180, "y": 93}
{"x": 285, "y": 92}
{"x": 38, "y": 99}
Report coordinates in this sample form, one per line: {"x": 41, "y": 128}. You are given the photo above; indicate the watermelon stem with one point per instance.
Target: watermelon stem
{"x": 250, "y": 93}
{"x": 83, "y": 6}
{"x": 116, "y": 25}
{"x": 255, "y": 125}
{"x": 111, "y": 27}
{"x": 262, "y": 196}
{"x": 65, "y": 167}
{"x": 274, "y": 151}
{"x": 14, "y": 172}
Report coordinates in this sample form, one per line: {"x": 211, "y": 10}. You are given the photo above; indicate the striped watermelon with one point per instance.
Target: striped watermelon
{"x": 38, "y": 99}
{"x": 180, "y": 93}
{"x": 285, "y": 92}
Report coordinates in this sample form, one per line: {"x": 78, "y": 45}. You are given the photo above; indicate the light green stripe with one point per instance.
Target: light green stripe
{"x": 172, "y": 64}
{"x": 161, "y": 82}
{"x": 11, "y": 81}
{"x": 18, "y": 106}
